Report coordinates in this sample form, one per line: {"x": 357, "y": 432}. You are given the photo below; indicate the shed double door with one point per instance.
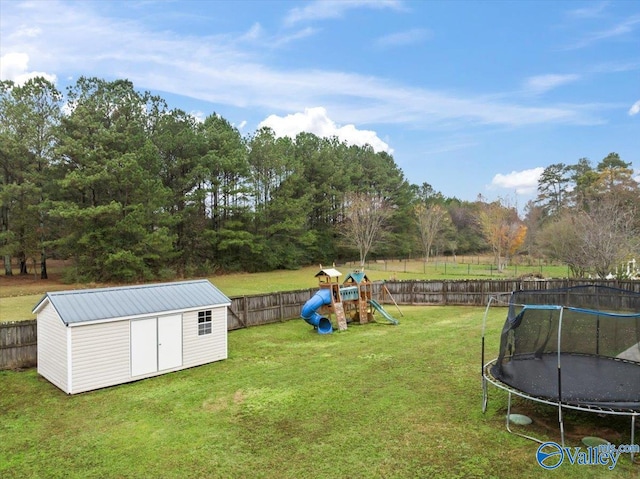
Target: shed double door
{"x": 156, "y": 344}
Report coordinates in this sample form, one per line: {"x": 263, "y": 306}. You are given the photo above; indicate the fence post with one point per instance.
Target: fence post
{"x": 413, "y": 292}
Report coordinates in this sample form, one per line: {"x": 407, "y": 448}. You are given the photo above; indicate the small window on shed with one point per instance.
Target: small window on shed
{"x": 204, "y": 322}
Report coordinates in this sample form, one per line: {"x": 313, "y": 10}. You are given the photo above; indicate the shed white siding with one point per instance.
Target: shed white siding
{"x": 204, "y": 349}
{"x": 90, "y": 339}
{"x": 52, "y": 347}
{"x": 99, "y": 355}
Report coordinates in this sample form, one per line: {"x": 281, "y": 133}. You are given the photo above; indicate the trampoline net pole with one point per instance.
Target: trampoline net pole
{"x": 484, "y": 327}
{"x": 560, "y": 378}
{"x": 485, "y": 394}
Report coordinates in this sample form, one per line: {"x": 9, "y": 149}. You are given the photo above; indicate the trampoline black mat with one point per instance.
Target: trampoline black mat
{"x": 586, "y": 380}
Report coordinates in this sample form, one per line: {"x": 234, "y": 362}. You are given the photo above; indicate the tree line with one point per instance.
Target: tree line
{"x": 131, "y": 190}
{"x": 588, "y": 217}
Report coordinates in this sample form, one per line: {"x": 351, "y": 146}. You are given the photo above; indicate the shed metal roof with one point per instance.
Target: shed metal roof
{"x": 84, "y": 305}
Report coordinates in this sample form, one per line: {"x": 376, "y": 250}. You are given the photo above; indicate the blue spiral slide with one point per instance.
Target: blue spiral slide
{"x": 310, "y": 313}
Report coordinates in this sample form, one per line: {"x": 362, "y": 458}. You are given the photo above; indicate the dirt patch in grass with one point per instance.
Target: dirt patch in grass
{"x": 577, "y": 424}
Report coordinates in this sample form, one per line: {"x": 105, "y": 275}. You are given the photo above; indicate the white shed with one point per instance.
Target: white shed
{"x": 94, "y": 338}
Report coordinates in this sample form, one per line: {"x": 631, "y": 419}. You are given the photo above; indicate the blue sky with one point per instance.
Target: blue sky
{"x": 471, "y": 97}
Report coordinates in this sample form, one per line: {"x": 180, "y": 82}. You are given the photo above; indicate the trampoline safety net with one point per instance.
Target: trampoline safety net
{"x": 577, "y": 345}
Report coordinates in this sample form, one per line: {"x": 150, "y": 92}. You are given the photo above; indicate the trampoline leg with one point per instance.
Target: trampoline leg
{"x": 531, "y": 438}
{"x": 485, "y": 395}
{"x": 633, "y": 431}
{"x": 560, "y": 421}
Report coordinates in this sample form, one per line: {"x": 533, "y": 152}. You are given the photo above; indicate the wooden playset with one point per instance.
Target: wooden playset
{"x": 351, "y": 301}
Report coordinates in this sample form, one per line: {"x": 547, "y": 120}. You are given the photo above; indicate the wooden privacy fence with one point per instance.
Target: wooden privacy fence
{"x": 478, "y": 292}
{"x": 18, "y": 347}
{"x": 18, "y": 344}
{"x": 246, "y": 311}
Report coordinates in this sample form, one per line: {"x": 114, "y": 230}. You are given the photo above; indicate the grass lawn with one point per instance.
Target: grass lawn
{"x": 375, "y": 401}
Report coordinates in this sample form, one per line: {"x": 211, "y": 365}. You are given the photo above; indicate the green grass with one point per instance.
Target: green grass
{"x": 374, "y": 401}
{"x": 18, "y": 308}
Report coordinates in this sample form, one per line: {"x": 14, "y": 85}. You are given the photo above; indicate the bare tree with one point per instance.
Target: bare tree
{"x": 365, "y": 216}
{"x": 430, "y": 221}
{"x": 596, "y": 239}
{"x": 560, "y": 240}
{"x": 608, "y": 235}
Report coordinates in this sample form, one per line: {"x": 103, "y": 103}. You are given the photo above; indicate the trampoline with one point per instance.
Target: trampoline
{"x": 575, "y": 347}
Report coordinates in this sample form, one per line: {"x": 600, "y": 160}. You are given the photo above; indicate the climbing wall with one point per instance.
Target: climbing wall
{"x": 363, "y": 312}
{"x": 342, "y": 320}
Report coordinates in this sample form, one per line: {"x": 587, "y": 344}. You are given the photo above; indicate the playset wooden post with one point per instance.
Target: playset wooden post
{"x": 359, "y": 280}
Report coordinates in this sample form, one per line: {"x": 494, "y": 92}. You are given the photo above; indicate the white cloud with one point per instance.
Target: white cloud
{"x": 316, "y": 121}
{"x": 635, "y": 108}
{"x": 257, "y": 35}
{"x": 524, "y": 182}
{"x": 254, "y": 33}
{"x": 15, "y": 66}
{"x": 73, "y": 40}
{"x": 593, "y": 10}
{"x": 621, "y": 29}
{"x": 324, "y": 9}
{"x": 543, "y": 83}
{"x": 615, "y": 67}
{"x": 198, "y": 115}
{"x": 407, "y": 37}
{"x": 298, "y": 35}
